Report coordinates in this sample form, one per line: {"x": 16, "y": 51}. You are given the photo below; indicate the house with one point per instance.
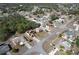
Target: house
{"x": 68, "y": 34}
{"x": 38, "y": 29}
{"x": 30, "y": 36}
{"x": 68, "y": 37}
{"x": 35, "y": 8}
{"x": 64, "y": 16}
{"x": 4, "y": 48}
{"x": 47, "y": 28}
{"x": 66, "y": 44}
{"x": 5, "y": 14}
{"x": 58, "y": 22}
{"x": 17, "y": 41}
{"x": 20, "y": 5}
{"x": 76, "y": 26}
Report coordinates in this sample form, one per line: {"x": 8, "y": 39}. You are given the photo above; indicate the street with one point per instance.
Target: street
{"x": 39, "y": 46}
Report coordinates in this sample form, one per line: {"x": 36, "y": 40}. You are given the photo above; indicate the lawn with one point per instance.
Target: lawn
{"x": 41, "y": 35}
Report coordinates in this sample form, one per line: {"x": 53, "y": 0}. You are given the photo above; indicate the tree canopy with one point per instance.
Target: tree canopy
{"x": 53, "y": 17}
{"x": 38, "y": 11}
{"x": 77, "y": 41}
{"x": 14, "y": 23}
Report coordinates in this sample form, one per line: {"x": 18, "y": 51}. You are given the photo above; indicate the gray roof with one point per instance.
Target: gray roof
{"x": 70, "y": 33}
{"x": 4, "y": 48}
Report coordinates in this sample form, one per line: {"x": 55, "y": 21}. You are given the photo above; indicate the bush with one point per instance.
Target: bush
{"x": 15, "y": 50}
{"x": 62, "y": 47}
{"x": 69, "y": 52}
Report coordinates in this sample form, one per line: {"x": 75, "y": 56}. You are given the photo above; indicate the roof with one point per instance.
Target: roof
{"x": 56, "y": 23}
{"x": 4, "y": 48}
{"x": 66, "y": 44}
{"x": 69, "y": 33}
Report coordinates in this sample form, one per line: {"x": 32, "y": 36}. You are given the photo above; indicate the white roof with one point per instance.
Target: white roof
{"x": 66, "y": 44}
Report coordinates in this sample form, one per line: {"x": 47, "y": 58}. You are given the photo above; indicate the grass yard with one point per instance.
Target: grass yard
{"x": 41, "y": 35}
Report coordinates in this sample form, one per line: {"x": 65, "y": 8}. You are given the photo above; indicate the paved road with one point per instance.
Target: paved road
{"x": 39, "y": 46}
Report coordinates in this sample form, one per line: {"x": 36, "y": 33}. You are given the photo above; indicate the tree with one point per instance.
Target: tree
{"x": 38, "y": 11}
{"x": 53, "y": 17}
{"x": 60, "y": 35}
{"x": 77, "y": 41}
{"x": 15, "y": 23}
{"x": 3, "y": 35}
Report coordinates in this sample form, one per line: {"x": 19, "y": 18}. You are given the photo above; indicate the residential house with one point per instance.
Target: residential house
{"x": 76, "y": 25}
{"x": 68, "y": 34}
{"x": 68, "y": 37}
{"x": 30, "y": 36}
{"x": 58, "y": 22}
{"x": 17, "y": 41}
{"x": 66, "y": 44}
